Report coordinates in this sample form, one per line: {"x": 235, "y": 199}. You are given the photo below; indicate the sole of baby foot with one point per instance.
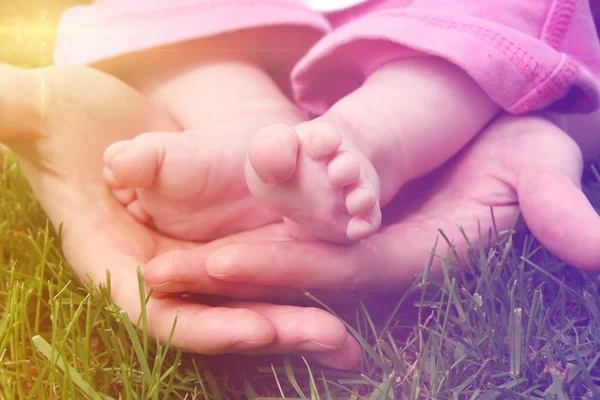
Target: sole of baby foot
{"x": 184, "y": 185}
{"x": 315, "y": 177}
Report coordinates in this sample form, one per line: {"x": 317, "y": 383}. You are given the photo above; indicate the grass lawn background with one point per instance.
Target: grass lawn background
{"x": 520, "y": 324}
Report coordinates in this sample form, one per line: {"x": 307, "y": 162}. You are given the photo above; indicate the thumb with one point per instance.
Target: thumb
{"x": 557, "y": 211}
{"x": 21, "y": 103}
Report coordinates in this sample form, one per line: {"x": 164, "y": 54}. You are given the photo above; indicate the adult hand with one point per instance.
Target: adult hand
{"x": 59, "y": 120}
{"x": 517, "y": 161}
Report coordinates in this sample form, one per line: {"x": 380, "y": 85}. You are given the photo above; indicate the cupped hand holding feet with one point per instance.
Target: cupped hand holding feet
{"x": 59, "y": 121}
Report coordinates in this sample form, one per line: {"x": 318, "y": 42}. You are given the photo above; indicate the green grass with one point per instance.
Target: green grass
{"x": 511, "y": 322}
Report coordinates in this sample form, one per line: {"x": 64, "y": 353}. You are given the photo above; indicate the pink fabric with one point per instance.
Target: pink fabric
{"x": 526, "y": 54}
{"x": 110, "y": 28}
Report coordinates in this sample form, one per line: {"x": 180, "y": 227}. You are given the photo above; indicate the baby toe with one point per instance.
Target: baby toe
{"x": 124, "y": 195}
{"x": 320, "y": 139}
{"x": 115, "y": 149}
{"x": 360, "y": 201}
{"x": 273, "y": 153}
{"x": 138, "y": 165}
{"x": 108, "y": 177}
{"x": 137, "y": 211}
{"x": 343, "y": 170}
{"x": 361, "y": 228}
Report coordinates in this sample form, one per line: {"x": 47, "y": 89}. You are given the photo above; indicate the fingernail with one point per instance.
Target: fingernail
{"x": 328, "y": 361}
{"x": 217, "y": 274}
{"x": 248, "y": 345}
{"x": 218, "y": 266}
{"x": 158, "y": 285}
{"x": 313, "y": 345}
{"x": 345, "y": 358}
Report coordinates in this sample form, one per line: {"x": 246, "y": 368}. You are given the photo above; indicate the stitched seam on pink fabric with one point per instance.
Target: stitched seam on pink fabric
{"x": 520, "y": 58}
{"x": 556, "y": 84}
{"x": 195, "y": 7}
{"x": 531, "y": 69}
{"x": 558, "y": 22}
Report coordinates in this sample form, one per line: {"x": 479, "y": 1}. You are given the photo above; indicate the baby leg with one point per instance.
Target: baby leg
{"x": 330, "y": 176}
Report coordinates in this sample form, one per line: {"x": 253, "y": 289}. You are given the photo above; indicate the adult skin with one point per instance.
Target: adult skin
{"x": 58, "y": 121}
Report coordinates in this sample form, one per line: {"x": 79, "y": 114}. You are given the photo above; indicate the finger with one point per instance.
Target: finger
{"x": 298, "y": 329}
{"x": 313, "y": 333}
{"x": 345, "y": 358}
{"x": 372, "y": 263}
{"x": 208, "y": 330}
{"x": 253, "y": 328}
{"x": 182, "y": 271}
{"x": 295, "y": 263}
{"x": 560, "y": 216}
{"x": 553, "y": 204}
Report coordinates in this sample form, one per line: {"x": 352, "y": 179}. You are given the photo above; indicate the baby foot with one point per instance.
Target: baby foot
{"x": 316, "y": 177}
{"x": 188, "y": 185}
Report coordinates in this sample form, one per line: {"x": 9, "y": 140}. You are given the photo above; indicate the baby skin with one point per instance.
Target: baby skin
{"x": 190, "y": 185}
{"x": 328, "y": 178}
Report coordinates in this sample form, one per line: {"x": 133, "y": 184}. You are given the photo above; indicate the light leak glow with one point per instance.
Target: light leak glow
{"x": 31, "y": 31}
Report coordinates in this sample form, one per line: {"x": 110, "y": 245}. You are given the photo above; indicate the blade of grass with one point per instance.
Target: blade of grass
{"x": 45, "y": 348}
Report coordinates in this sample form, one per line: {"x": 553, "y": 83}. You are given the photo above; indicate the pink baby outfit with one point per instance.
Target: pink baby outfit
{"x": 111, "y": 28}
{"x": 526, "y": 54}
